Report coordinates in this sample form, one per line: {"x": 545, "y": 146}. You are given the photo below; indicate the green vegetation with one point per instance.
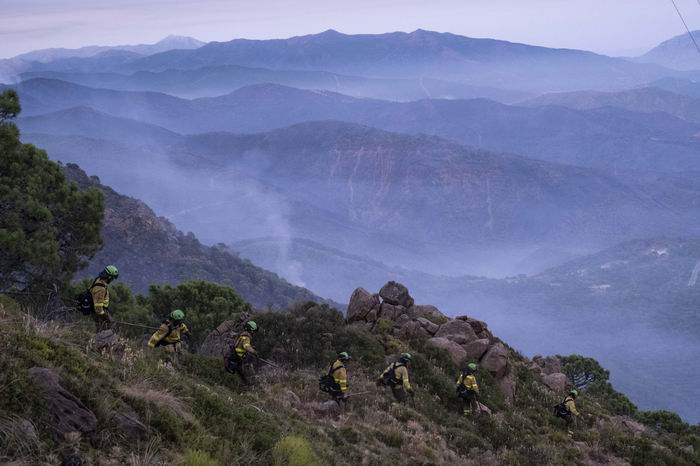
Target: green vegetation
{"x": 48, "y": 227}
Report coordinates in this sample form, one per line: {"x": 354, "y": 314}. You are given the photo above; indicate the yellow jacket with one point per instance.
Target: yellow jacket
{"x": 242, "y": 344}
{"x": 400, "y": 373}
{"x": 571, "y": 405}
{"x": 100, "y": 296}
{"x": 468, "y": 381}
{"x": 172, "y": 338}
{"x": 340, "y": 375}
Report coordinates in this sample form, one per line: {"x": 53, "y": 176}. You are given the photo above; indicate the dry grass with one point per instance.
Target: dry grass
{"x": 148, "y": 455}
{"x": 164, "y": 399}
{"x": 18, "y": 437}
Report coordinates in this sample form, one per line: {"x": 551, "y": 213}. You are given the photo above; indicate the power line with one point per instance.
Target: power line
{"x": 680, "y": 15}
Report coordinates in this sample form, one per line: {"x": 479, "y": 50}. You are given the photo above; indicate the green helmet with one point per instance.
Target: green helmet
{"x": 252, "y": 326}
{"x": 344, "y": 356}
{"x": 406, "y": 357}
{"x": 177, "y": 314}
{"x": 471, "y": 366}
{"x": 110, "y": 271}
{"x": 574, "y": 393}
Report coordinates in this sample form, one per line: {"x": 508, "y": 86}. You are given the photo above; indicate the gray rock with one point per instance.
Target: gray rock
{"x": 65, "y": 411}
{"x": 458, "y": 331}
{"x": 129, "y": 426}
{"x": 105, "y": 340}
{"x": 496, "y": 360}
{"x": 552, "y": 365}
{"x": 507, "y": 386}
{"x": 476, "y": 349}
{"x": 390, "y": 311}
{"x": 412, "y": 329}
{"x": 396, "y": 294}
{"x": 372, "y": 315}
{"x": 430, "y": 327}
{"x": 219, "y": 340}
{"x": 361, "y": 302}
{"x": 557, "y": 381}
{"x": 431, "y": 313}
{"x": 402, "y": 319}
{"x": 455, "y": 351}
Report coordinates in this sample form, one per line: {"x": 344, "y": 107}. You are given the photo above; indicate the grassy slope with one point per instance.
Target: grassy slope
{"x": 200, "y": 416}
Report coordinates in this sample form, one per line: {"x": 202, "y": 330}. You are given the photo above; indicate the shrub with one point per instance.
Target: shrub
{"x": 199, "y": 458}
{"x": 294, "y": 451}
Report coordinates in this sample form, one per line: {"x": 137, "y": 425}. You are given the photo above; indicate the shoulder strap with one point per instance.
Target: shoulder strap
{"x": 332, "y": 369}
{"x": 94, "y": 284}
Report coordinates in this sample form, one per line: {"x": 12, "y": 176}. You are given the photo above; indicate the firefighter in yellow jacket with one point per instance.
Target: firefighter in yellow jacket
{"x": 238, "y": 361}
{"x": 572, "y": 412}
{"x": 100, "y": 297}
{"x": 169, "y": 336}
{"x": 339, "y": 390}
{"x": 468, "y": 389}
{"x": 396, "y": 377}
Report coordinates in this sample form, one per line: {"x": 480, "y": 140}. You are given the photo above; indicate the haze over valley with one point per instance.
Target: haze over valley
{"x": 551, "y": 192}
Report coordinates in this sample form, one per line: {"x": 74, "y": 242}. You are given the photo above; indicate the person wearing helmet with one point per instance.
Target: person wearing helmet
{"x": 396, "y": 377}
{"x": 339, "y": 390}
{"x": 169, "y": 337}
{"x": 238, "y": 361}
{"x": 572, "y": 412}
{"x": 99, "y": 290}
{"x": 468, "y": 389}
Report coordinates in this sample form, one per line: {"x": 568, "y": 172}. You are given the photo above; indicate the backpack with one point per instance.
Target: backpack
{"x": 326, "y": 383}
{"x": 561, "y": 410}
{"x": 389, "y": 378}
{"x": 85, "y": 303}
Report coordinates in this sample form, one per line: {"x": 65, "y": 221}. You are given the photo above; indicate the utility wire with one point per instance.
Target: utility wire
{"x": 680, "y": 15}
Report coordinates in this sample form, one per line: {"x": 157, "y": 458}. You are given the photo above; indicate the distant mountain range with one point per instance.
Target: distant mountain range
{"x": 679, "y": 53}
{"x": 418, "y": 55}
{"x": 630, "y": 133}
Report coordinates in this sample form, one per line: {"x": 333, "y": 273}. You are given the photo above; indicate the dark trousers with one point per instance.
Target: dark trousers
{"x": 470, "y": 401}
{"x": 239, "y": 365}
{"x": 102, "y": 322}
{"x": 399, "y": 393}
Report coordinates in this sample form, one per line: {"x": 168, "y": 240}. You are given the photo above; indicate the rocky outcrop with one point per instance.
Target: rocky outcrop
{"x": 456, "y": 352}
{"x": 396, "y": 294}
{"x": 361, "y": 302}
{"x": 557, "y": 381}
{"x": 66, "y": 413}
{"x": 465, "y": 339}
{"x": 548, "y": 365}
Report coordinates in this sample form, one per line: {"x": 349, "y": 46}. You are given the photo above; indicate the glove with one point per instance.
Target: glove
{"x": 412, "y": 393}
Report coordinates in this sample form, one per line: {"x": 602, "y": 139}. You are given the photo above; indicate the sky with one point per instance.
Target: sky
{"x": 615, "y": 27}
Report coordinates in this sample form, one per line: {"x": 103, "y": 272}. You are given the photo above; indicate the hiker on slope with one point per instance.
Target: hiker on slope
{"x": 337, "y": 380}
{"x": 99, "y": 291}
{"x": 169, "y": 337}
{"x": 396, "y": 377}
{"x": 567, "y": 411}
{"x": 468, "y": 390}
{"x": 238, "y": 360}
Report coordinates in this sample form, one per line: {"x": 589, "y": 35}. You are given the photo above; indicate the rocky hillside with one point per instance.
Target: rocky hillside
{"x": 65, "y": 403}
{"x": 149, "y": 250}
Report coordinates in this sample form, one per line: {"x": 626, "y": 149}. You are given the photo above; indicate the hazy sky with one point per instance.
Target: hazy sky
{"x": 607, "y": 26}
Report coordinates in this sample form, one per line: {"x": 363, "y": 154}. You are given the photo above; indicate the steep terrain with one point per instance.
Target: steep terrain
{"x": 122, "y": 407}
{"x": 150, "y": 250}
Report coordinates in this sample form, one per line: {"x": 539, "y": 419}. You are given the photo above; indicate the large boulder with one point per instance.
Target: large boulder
{"x": 219, "y": 340}
{"x": 557, "y": 381}
{"x": 66, "y": 413}
{"x": 429, "y": 312}
{"x": 430, "y": 327}
{"x": 549, "y": 365}
{"x": 396, "y": 294}
{"x": 479, "y": 326}
{"x": 476, "y": 349}
{"x": 455, "y": 351}
{"x": 411, "y": 330}
{"x": 361, "y": 302}
{"x": 458, "y": 331}
{"x": 496, "y": 360}
{"x": 128, "y": 425}
{"x": 507, "y": 386}
{"x": 105, "y": 340}
{"x": 391, "y": 311}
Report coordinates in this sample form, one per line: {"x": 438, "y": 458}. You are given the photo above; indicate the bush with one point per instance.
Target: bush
{"x": 663, "y": 420}
{"x": 206, "y": 305}
{"x": 199, "y": 458}
{"x": 294, "y": 451}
